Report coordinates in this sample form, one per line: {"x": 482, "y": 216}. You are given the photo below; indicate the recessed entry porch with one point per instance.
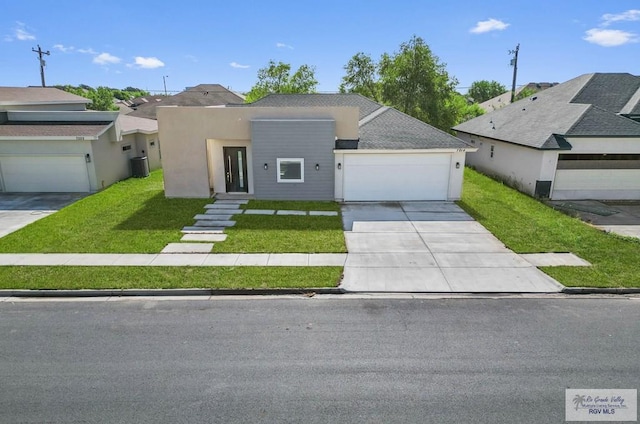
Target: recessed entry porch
{"x": 229, "y": 167}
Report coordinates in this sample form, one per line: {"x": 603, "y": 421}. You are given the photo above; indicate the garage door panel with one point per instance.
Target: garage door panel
{"x": 378, "y": 177}
{"x": 44, "y": 173}
{"x": 596, "y": 184}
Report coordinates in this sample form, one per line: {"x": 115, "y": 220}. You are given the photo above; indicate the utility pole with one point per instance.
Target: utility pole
{"x": 164, "y": 81}
{"x": 514, "y": 63}
{"x": 42, "y": 62}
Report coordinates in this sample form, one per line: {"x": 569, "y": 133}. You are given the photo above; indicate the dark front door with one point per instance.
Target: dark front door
{"x": 235, "y": 169}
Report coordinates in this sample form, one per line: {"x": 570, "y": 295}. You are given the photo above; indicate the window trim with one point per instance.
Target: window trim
{"x": 126, "y": 148}
{"x": 280, "y": 179}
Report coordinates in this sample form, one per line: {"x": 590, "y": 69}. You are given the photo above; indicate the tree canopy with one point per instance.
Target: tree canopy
{"x": 277, "y": 78}
{"x": 483, "y": 90}
{"x": 412, "y": 80}
{"x": 102, "y": 98}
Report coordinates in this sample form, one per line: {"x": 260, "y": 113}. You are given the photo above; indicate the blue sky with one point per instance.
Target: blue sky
{"x": 135, "y": 43}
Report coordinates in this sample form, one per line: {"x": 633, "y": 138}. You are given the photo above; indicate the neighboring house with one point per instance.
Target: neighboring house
{"x": 50, "y": 143}
{"x": 504, "y": 99}
{"x": 577, "y": 140}
{"x": 200, "y": 95}
{"x": 309, "y": 147}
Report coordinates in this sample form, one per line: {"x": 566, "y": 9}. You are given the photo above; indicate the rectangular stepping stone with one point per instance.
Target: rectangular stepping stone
{"x": 221, "y": 206}
{"x": 208, "y": 217}
{"x": 259, "y": 212}
{"x": 202, "y": 229}
{"x": 232, "y": 201}
{"x": 204, "y": 237}
{"x": 323, "y": 213}
{"x": 217, "y": 223}
{"x": 188, "y": 248}
{"x": 291, "y": 213}
{"x": 228, "y": 212}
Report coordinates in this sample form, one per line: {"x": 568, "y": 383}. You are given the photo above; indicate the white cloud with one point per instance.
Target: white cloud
{"x": 105, "y": 58}
{"x": 148, "y": 62}
{"x": 239, "y": 66}
{"x": 87, "y": 51}
{"x": 20, "y": 33}
{"x": 489, "y": 25}
{"x": 284, "y": 46}
{"x": 629, "y": 15}
{"x": 63, "y": 48}
{"x": 610, "y": 37}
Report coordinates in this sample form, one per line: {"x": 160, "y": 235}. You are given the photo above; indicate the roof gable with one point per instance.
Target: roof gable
{"x": 609, "y": 92}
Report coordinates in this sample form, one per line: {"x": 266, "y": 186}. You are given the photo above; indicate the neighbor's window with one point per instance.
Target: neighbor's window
{"x": 126, "y": 147}
{"x": 290, "y": 170}
{"x": 493, "y": 149}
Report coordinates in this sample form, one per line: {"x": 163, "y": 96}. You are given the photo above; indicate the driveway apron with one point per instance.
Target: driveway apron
{"x": 430, "y": 247}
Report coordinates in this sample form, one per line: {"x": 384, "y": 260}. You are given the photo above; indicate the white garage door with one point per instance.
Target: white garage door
{"x": 380, "y": 177}
{"x": 44, "y": 174}
{"x": 602, "y": 184}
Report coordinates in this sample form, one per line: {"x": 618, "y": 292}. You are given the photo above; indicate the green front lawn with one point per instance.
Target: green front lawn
{"x": 108, "y": 277}
{"x": 132, "y": 216}
{"x": 527, "y": 226}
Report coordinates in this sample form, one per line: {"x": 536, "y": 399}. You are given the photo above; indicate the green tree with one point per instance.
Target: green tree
{"x": 483, "y": 90}
{"x": 414, "y": 81}
{"x": 277, "y": 78}
{"x": 362, "y": 77}
{"x": 525, "y": 92}
{"x": 463, "y": 108}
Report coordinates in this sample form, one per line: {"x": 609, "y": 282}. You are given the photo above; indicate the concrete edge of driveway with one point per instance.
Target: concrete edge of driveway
{"x": 167, "y": 292}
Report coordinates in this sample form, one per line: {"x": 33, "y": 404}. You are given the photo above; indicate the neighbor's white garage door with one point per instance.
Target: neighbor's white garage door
{"x": 601, "y": 184}
{"x": 380, "y": 177}
{"x": 44, "y": 173}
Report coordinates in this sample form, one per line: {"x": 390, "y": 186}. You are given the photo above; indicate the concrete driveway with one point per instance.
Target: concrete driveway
{"x": 18, "y": 210}
{"x": 430, "y": 247}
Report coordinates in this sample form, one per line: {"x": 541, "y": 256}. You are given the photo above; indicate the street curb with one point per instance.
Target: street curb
{"x": 600, "y": 290}
{"x": 168, "y": 292}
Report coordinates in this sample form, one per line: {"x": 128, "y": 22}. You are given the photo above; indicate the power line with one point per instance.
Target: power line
{"x": 42, "y": 62}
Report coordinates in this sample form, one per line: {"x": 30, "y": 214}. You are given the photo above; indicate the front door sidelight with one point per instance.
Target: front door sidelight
{"x": 235, "y": 169}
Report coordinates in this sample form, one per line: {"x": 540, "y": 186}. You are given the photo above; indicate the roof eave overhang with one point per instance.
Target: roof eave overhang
{"x": 50, "y": 138}
{"x": 378, "y": 151}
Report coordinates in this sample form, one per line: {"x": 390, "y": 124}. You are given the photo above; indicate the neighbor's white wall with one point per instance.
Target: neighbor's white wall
{"x": 456, "y": 175}
{"x": 184, "y": 131}
{"x": 111, "y": 163}
{"x": 46, "y": 107}
{"x": 604, "y": 145}
{"x": 520, "y": 166}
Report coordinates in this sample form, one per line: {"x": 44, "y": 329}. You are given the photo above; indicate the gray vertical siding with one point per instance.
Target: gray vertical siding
{"x": 312, "y": 140}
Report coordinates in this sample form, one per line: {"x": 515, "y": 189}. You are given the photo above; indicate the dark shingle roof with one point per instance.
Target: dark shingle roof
{"x": 599, "y": 122}
{"x": 327, "y": 100}
{"x": 393, "y": 129}
{"x": 610, "y": 92}
{"x": 561, "y": 110}
{"x": 200, "y": 95}
{"x": 52, "y": 129}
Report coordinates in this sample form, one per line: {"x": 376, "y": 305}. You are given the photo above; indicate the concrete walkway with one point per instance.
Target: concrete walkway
{"x": 430, "y": 247}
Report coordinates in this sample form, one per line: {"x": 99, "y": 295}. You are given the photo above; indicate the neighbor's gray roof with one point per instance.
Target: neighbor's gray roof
{"x": 387, "y": 128}
{"x": 52, "y": 129}
{"x": 37, "y": 95}
{"x": 610, "y": 92}
{"x": 200, "y": 95}
{"x": 133, "y": 124}
{"x": 366, "y": 105}
{"x": 558, "y": 110}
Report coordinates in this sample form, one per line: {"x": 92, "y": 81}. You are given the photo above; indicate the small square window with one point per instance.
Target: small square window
{"x": 153, "y": 143}
{"x": 492, "y": 151}
{"x": 126, "y": 147}
{"x": 290, "y": 170}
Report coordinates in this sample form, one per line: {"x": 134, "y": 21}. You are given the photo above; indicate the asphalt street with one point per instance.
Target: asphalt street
{"x": 312, "y": 360}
